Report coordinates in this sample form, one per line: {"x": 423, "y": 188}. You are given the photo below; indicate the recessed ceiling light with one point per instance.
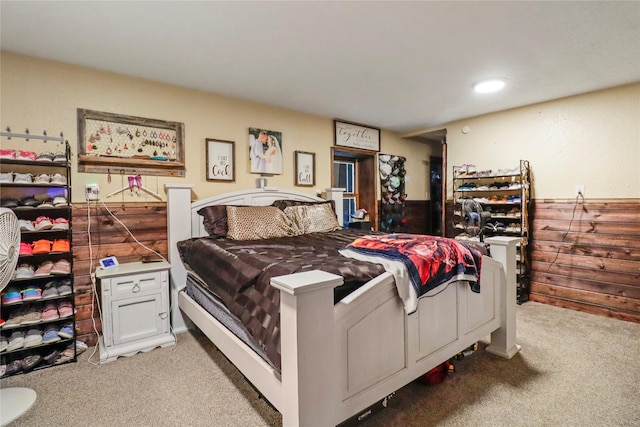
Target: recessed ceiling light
{"x": 487, "y": 86}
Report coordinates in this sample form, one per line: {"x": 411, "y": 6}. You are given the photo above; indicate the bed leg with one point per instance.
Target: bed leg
{"x": 503, "y": 339}
{"x": 308, "y": 348}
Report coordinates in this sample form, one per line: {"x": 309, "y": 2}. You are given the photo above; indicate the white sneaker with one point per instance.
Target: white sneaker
{"x": 23, "y": 178}
{"x": 59, "y": 201}
{"x": 42, "y": 179}
{"x": 26, "y": 225}
{"x": 6, "y": 177}
{"x": 58, "y": 179}
{"x": 24, "y": 271}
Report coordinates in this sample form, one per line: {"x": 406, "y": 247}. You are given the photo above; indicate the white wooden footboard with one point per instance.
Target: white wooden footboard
{"x": 339, "y": 359}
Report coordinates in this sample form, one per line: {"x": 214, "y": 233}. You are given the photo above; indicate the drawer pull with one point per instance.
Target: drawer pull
{"x": 163, "y": 315}
{"x": 136, "y": 288}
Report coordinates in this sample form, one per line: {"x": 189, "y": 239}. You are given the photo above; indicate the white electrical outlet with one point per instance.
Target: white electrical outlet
{"x": 579, "y": 190}
{"x": 92, "y": 192}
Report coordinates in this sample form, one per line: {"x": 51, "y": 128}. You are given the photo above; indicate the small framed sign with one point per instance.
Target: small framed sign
{"x": 305, "y": 169}
{"x": 220, "y": 160}
{"x": 356, "y": 136}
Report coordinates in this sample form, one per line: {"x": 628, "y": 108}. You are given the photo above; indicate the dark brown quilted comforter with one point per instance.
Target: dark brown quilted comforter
{"x": 239, "y": 274}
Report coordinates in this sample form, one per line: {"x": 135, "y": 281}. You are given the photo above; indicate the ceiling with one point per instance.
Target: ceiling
{"x": 402, "y": 66}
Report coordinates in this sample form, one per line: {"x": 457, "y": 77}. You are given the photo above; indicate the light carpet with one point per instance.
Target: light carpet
{"x": 574, "y": 369}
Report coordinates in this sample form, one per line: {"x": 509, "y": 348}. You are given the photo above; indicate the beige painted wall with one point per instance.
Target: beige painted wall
{"x": 40, "y": 94}
{"x": 591, "y": 139}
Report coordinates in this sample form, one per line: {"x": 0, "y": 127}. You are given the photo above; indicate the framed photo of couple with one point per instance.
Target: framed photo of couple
{"x": 220, "y": 160}
{"x": 305, "y": 169}
{"x": 265, "y": 151}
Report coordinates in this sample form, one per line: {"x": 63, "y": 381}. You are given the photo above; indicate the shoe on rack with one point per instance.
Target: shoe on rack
{"x": 26, "y": 155}
{"x": 6, "y": 178}
{"x": 45, "y": 157}
{"x": 43, "y": 223}
{"x": 60, "y": 224}
{"x": 62, "y": 266}
{"x": 29, "y": 202}
{"x": 26, "y": 225}
{"x": 43, "y": 178}
{"x": 31, "y": 361}
{"x": 58, "y": 179}
{"x": 32, "y": 315}
{"x": 65, "y": 308}
{"x": 14, "y": 320}
{"x": 33, "y": 337}
{"x": 7, "y": 153}
{"x": 13, "y": 367}
{"x": 41, "y": 246}
{"x": 23, "y": 178}
{"x": 61, "y": 245}
{"x": 16, "y": 341}
{"x": 66, "y": 331}
{"x": 9, "y": 202}
{"x": 24, "y": 271}
{"x": 60, "y": 157}
{"x": 81, "y": 346}
{"x": 59, "y": 201}
{"x": 44, "y": 269}
{"x": 4, "y": 343}
{"x": 51, "y": 290}
{"x": 31, "y": 293}
{"x": 64, "y": 287}
{"x": 51, "y": 334}
{"x": 50, "y": 311}
{"x": 46, "y": 203}
{"x": 51, "y": 357}
{"x": 10, "y": 295}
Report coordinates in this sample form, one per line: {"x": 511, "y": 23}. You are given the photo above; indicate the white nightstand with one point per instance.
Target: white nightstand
{"x": 135, "y": 309}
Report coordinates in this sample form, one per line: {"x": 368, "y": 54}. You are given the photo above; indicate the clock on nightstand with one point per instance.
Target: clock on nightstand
{"x": 135, "y": 309}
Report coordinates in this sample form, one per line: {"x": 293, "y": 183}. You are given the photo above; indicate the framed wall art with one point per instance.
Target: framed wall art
{"x": 353, "y": 135}
{"x": 305, "y": 166}
{"x": 110, "y": 142}
{"x": 265, "y": 151}
{"x": 220, "y": 160}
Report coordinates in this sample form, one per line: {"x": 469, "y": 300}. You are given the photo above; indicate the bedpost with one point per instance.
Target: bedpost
{"x": 178, "y": 228}
{"x": 335, "y": 194}
{"x": 503, "y": 340}
{"x": 308, "y": 347}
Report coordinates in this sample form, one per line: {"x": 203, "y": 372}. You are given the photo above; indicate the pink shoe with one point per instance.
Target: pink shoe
{"x": 44, "y": 269}
{"x": 62, "y": 266}
{"x": 50, "y": 311}
{"x": 7, "y": 154}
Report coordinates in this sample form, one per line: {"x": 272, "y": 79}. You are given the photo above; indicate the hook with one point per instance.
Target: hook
{"x": 44, "y": 132}
{"x": 27, "y": 132}
{"x": 8, "y": 131}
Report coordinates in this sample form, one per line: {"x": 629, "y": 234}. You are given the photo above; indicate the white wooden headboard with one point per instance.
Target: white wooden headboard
{"x": 183, "y": 222}
{"x": 255, "y": 197}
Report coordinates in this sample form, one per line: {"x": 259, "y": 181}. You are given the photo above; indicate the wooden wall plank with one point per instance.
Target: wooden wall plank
{"x": 586, "y": 256}
{"x": 147, "y": 222}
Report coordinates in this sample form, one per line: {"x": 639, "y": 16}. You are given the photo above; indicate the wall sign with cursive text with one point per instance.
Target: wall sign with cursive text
{"x": 305, "y": 169}
{"x": 220, "y": 160}
{"x": 357, "y": 136}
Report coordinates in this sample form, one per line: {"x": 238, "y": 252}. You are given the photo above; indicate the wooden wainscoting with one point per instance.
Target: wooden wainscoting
{"x": 586, "y": 256}
{"x": 147, "y": 222}
{"x": 418, "y": 216}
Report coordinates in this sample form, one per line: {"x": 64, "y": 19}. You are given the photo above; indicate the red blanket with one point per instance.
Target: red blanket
{"x": 429, "y": 260}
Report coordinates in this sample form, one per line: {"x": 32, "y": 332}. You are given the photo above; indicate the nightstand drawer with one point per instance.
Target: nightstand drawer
{"x": 134, "y": 284}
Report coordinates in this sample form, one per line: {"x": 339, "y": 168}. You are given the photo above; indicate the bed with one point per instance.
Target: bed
{"x": 339, "y": 358}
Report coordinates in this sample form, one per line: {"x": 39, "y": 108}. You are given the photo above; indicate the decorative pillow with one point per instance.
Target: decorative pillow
{"x": 215, "y": 220}
{"x": 258, "y": 222}
{"x": 285, "y": 203}
{"x": 316, "y": 218}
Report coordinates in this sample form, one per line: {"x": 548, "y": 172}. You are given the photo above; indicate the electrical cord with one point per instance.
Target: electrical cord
{"x": 575, "y": 206}
{"x": 150, "y": 250}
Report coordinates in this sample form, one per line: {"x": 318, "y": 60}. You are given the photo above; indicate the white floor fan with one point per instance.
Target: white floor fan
{"x": 14, "y": 401}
